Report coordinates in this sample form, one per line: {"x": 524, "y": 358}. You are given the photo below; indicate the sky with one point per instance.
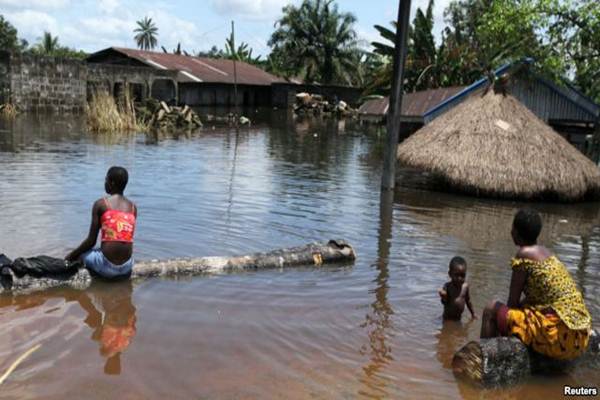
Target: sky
{"x": 94, "y": 25}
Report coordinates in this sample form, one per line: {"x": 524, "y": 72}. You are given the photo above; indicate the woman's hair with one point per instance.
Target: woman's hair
{"x": 118, "y": 178}
{"x": 528, "y": 225}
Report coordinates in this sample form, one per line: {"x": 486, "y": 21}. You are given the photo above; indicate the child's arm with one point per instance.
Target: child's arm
{"x": 469, "y": 305}
{"x": 90, "y": 241}
{"x": 443, "y": 292}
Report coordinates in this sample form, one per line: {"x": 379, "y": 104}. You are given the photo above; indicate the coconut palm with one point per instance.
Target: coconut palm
{"x": 47, "y": 44}
{"x": 316, "y": 41}
{"x": 146, "y": 33}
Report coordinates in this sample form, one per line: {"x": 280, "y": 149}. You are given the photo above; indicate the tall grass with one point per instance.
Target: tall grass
{"x": 105, "y": 115}
{"x": 8, "y": 110}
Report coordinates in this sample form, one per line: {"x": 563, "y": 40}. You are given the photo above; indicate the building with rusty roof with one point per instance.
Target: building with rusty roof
{"x": 200, "y": 80}
{"x": 203, "y": 81}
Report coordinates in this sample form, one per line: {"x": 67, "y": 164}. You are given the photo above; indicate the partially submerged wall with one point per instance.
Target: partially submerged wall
{"x": 47, "y": 83}
{"x": 222, "y": 94}
{"x": 4, "y": 77}
{"x": 61, "y": 85}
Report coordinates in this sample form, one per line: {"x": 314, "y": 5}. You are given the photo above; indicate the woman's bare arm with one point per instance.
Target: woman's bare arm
{"x": 89, "y": 242}
{"x": 517, "y": 285}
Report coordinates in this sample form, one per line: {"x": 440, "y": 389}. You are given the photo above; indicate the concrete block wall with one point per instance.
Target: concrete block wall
{"x": 4, "y": 77}
{"x": 47, "y": 84}
{"x": 59, "y": 85}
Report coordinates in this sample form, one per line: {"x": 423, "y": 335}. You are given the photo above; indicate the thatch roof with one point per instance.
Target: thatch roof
{"x": 492, "y": 145}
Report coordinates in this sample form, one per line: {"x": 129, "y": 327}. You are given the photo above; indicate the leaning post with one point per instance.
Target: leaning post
{"x": 233, "y": 57}
{"x": 594, "y": 152}
{"x": 394, "y": 114}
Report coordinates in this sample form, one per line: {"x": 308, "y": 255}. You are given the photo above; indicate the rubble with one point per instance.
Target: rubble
{"x": 161, "y": 116}
{"x": 315, "y": 104}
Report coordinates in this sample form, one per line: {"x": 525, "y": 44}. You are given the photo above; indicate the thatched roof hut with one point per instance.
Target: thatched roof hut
{"x": 492, "y": 145}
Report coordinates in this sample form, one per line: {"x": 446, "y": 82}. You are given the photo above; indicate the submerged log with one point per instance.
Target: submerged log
{"x": 316, "y": 254}
{"x": 503, "y": 361}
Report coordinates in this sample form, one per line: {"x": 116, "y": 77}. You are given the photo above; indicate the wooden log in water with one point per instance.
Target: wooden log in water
{"x": 316, "y": 254}
{"x": 505, "y": 361}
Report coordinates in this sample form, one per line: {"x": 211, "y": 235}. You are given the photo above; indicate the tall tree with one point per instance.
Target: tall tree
{"x": 146, "y": 34}
{"x": 316, "y": 42}
{"x": 573, "y": 32}
{"x": 422, "y": 51}
{"x": 8, "y": 37}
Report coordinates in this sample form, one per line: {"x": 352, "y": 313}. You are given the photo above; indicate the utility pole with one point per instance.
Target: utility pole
{"x": 388, "y": 179}
{"x": 234, "y": 56}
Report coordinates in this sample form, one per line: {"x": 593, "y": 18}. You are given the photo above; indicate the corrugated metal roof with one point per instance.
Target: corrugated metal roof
{"x": 202, "y": 69}
{"x": 377, "y": 107}
{"x": 569, "y": 93}
{"x": 414, "y": 104}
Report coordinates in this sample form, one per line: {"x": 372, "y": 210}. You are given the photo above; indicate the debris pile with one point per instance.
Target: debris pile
{"x": 229, "y": 119}
{"x": 161, "y": 116}
{"x": 307, "y": 103}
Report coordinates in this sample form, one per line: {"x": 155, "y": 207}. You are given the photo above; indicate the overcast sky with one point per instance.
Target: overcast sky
{"x": 94, "y": 25}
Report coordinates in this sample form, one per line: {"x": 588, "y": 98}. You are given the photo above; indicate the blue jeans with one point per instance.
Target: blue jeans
{"x": 95, "y": 261}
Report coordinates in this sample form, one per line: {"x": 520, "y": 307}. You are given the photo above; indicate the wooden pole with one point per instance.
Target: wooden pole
{"x": 388, "y": 180}
{"x": 234, "y": 56}
{"x": 595, "y": 146}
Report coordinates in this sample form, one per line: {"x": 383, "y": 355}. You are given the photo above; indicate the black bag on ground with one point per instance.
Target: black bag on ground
{"x": 45, "y": 267}
{"x": 5, "y": 261}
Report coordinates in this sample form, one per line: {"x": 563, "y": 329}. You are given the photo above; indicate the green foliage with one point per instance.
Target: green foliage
{"x": 146, "y": 34}
{"x": 562, "y": 36}
{"x": 214, "y": 52}
{"x": 49, "y": 45}
{"x": 573, "y": 34}
{"x": 242, "y": 53}
{"x": 8, "y": 37}
{"x": 316, "y": 42}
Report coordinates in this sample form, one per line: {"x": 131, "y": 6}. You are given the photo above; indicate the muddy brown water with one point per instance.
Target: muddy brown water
{"x": 367, "y": 330}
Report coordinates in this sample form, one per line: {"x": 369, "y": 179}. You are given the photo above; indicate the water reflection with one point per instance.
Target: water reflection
{"x": 28, "y": 132}
{"x": 324, "y": 333}
{"x": 451, "y": 337}
{"x": 109, "y": 313}
{"x": 379, "y": 321}
{"x": 112, "y": 317}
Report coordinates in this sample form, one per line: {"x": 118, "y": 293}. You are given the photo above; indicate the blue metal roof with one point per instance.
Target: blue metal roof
{"x": 568, "y": 92}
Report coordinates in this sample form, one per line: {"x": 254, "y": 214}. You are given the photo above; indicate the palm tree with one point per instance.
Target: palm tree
{"x": 317, "y": 42}
{"x": 146, "y": 33}
{"x": 47, "y": 44}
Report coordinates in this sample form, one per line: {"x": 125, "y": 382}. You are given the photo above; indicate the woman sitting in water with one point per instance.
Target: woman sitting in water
{"x": 552, "y": 319}
{"x": 115, "y": 215}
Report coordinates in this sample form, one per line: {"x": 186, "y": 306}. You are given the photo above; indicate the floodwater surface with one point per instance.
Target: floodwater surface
{"x": 371, "y": 329}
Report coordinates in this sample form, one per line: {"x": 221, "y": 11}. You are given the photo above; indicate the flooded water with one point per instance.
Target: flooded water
{"x": 371, "y": 329}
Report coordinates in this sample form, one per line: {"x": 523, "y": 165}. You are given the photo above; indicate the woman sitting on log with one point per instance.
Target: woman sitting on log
{"x": 552, "y": 319}
{"x": 115, "y": 216}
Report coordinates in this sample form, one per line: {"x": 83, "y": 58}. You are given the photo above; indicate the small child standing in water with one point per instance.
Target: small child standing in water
{"x": 455, "y": 294}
